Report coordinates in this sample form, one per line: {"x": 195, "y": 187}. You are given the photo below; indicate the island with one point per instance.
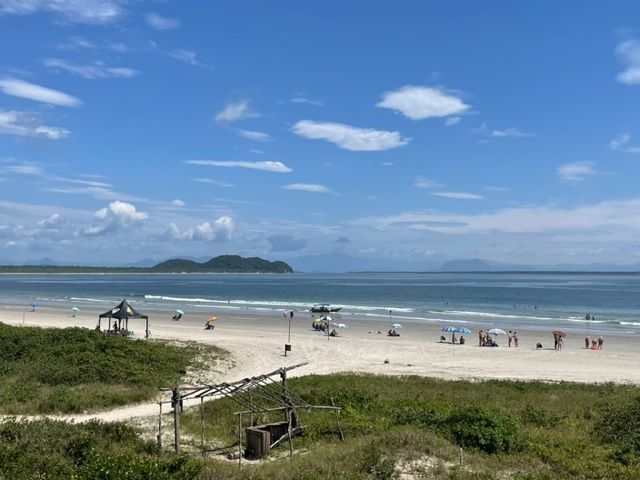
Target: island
{"x": 219, "y": 264}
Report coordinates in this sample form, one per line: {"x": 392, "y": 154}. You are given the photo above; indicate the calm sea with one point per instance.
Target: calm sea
{"x": 533, "y": 301}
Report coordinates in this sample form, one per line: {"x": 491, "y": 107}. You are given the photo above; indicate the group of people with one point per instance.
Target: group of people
{"x": 393, "y": 333}
{"x": 558, "y": 341}
{"x": 593, "y": 343}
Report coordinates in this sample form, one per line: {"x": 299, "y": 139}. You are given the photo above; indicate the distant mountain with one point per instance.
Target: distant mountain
{"x": 223, "y": 264}
{"x": 478, "y": 265}
{"x": 340, "y": 263}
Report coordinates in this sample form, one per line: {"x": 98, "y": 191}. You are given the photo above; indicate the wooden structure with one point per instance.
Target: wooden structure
{"x": 122, "y": 313}
{"x": 262, "y": 394}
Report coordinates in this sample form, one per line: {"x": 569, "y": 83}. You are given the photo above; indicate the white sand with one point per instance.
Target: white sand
{"x": 256, "y": 345}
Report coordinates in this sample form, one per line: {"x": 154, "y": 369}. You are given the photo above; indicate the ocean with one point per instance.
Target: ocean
{"x": 533, "y": 301}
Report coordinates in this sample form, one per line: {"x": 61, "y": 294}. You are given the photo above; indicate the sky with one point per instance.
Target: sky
{"x": 413, "y": 131}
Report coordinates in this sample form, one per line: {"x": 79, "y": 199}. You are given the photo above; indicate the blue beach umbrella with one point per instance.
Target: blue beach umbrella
{"x": 464, "y": 330}
{"x": 179, "y": 312}
{"x": 449, "y": 329}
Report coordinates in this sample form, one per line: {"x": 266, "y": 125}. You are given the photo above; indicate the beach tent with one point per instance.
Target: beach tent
{"x": 124, "y": 311}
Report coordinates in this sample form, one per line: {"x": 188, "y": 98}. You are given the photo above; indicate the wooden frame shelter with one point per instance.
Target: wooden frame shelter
{"x": 265, "y": 393}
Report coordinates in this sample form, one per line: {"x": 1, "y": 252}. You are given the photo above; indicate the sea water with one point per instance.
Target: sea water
{"x": 505, "y": 300}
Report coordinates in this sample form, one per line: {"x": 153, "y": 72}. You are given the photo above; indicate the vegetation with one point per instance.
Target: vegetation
{"x": 508, "y": 430}
{"x": 220, "y": 264}
{"x": 224, "y": 263}
{"x": 72, "y": 370}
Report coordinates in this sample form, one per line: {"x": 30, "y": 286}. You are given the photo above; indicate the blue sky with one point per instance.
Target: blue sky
{"x": 415, "y": 131}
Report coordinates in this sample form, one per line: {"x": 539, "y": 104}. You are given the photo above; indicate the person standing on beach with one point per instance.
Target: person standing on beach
{"x": 510, "y": 338}
{"x": 600, "y": 342}
{"x": 555, "y": 341}
{"x": 587, "y": 341}
{"x": 480, "y": 337}
{"x": 515, "y": 339}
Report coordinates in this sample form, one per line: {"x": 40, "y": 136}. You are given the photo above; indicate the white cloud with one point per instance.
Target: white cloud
{"x": 235, "y": 111}
{"x": 23, "y": 124}
{"x": 458, "y": 195}
{"x": 350, "y": 138}
{"x": 220, "y": 231}
{"x": 277, "y": 167}
{"x": 576, "y": 172}
{"x": 629, "y": 54}
{"x": 91, "y": 71}
{"x": 421, "y": 182}
{"x": 452, "y": 121}
{"x": 188, "y": 56}
{"x": 177, "y": 203}
{"x": 211, "y": 181}
{"x": 24, "y": 169}
{"x": 253, "y": 135}
{"x": 622, "y": 216}
{"x": 511, "y": 132}
{"x": 300, "y": 99}
{"x": 73, "y": 11}
{"x": 308, "y": 187}
{"x": 418, "y": 103}
{"x": 115, "y": 217}
{"x": 621, "y": 143}
{"x": 30, "y": 91}
{"x": 75, "y": 43}
{"x": 159, "y": 22}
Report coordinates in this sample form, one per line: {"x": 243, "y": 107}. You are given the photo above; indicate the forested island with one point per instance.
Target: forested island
{"x": 219, "y": 264}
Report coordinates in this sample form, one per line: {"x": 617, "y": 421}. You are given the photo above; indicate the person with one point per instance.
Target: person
{"x": 333, "y": 333}
{"x": 480, "y": 337}
{"x": 587, "y": 341}
{"x": 555, "y": 341}
{"x": 291, "y": 314}
{"x": 560, "y": 342}
{"x": 600, "y": 342}
{"x": 285, "y": 315}
{"x": 115, "y": 326}
{"x": 462, "y": 340}
{"x": 453, "y": 337}
{"x": 510, "y": 338}
{"x": 587, "y": 317}
{"x": 515, "y": 339}
{"x": 442, "y": 339}
{"x": 594, "y": 344}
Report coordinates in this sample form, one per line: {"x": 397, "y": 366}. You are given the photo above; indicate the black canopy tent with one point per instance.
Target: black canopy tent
{"x": 124, "y": 311}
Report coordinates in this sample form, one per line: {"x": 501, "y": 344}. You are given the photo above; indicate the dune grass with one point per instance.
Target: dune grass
{"x": 73, "y": 370}
{"x": 507, "y": 430}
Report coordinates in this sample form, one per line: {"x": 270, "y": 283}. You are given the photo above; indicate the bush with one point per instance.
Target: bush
{"x": 620, "y": 426}
{"x": 486, "y": 430}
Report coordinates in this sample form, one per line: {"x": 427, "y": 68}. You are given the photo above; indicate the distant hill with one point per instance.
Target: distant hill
{"x": 223, "y": 264}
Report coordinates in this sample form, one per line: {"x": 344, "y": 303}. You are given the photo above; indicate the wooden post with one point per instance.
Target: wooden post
{"x": 290, "y": 436}
{"x": 338, "y": 420}
{"x": 175, "y": 402}
{"x": 240, "y": 440}
{"x": 202, "y": 424}
{"x": 160, "y": 427}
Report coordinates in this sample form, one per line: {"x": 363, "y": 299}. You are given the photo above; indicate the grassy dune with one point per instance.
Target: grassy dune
{"x": 73, "y": 370}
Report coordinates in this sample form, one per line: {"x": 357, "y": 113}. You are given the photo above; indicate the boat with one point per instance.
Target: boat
{"x": 325, "y": 308}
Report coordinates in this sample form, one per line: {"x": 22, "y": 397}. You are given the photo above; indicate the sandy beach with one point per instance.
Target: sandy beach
{"x": 256, "y": 345}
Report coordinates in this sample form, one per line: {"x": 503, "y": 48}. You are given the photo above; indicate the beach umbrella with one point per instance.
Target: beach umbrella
{"x": 497, "y": 331}
{"x": 326, "y": 318}
{"x": 75, "y": 309}
{"x": 339, "y": 325}
{"x": 34, "y": 304}
{"x": 449, "y": 329}
{"x": 559, "y": 333}
{"x": 179, "y": 312}
{"x": 317, "y": 320}
{"x": 396, "y": 326}
{"x": 463, "y": 330}
{"x": 212, "y": 319}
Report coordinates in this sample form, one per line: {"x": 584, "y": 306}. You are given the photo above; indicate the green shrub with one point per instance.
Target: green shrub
{"x": 483, "y": 429}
